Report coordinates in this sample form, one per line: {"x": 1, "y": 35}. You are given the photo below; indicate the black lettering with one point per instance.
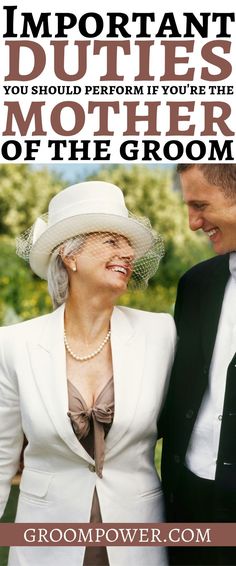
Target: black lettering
{"x": 168, "y": 23}
{"x": 223, "y": 23}
{"x": 215, "y": 149}
{"x": 35, "y": 28}
{"x": 196, "y": 144}
{"x": 62, "y": 25}
{"x": 10, "y": 21}
{"x": 193, "y": 21}
{"x": 11, "y": 150}
{"x": 143, "y": 22}
{"x": 83, "y": 24}
{"x": 114, "y": 25}
{"x": 132, "y": 147}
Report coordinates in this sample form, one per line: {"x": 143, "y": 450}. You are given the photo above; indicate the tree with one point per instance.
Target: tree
{"x": 25, "y": 194}
{"x": 23, "y": 295}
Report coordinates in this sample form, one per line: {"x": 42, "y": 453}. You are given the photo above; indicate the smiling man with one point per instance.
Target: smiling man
{"x": 209, "y": 191}
{"x": 199, "y": 449}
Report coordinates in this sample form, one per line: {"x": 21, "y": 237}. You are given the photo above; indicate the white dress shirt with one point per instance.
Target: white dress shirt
{"x": 201, "y": 457}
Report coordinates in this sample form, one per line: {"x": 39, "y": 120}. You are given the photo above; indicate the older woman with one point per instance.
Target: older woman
{"x": 86, "y": 383}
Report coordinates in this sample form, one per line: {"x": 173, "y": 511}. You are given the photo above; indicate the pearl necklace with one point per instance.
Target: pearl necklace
{"x": 89, "y": 356}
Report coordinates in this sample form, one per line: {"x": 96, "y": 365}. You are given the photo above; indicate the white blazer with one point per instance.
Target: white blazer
{"x": 58, "y": 480}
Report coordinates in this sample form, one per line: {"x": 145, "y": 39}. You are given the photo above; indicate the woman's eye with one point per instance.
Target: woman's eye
{"x": 111, "y": 241}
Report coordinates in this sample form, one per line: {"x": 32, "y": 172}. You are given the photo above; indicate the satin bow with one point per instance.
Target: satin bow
{"x": 81, "y": 419}
{"x": 100, "y": 415}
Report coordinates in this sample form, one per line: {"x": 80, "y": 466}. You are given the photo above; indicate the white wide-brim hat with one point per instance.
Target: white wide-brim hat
{"x": 93, "y": 206}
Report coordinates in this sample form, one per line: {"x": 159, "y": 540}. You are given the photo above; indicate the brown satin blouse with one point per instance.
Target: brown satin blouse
{"x": 91, "y": 425}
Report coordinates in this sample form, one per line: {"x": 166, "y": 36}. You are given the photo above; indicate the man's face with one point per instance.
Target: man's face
{"x": 210, "y": 210}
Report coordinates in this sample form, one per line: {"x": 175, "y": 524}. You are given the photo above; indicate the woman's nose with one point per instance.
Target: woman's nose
{"x": 126, "y": 255}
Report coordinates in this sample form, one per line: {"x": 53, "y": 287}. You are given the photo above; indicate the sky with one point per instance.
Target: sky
{"x": 70, "y": 172}
{"x": 74, "y": 173}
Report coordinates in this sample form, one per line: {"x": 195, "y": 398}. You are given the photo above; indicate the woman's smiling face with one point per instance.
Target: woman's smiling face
{"x": 105, "y": 260}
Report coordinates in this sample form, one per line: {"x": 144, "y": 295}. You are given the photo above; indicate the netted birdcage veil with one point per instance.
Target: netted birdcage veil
{"x": 25, "y": 241}
{"x": 144, "y": 262}
{"x": 96, "y": 210}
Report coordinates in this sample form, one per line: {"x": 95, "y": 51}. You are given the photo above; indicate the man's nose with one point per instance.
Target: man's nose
{"x": 195, "y": 220}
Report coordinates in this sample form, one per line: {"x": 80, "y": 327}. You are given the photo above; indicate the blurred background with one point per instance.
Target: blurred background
{"x": 151, "y": 191}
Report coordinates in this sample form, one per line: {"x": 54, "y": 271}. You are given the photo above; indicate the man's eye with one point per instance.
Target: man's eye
{"x": 199, "y": 206}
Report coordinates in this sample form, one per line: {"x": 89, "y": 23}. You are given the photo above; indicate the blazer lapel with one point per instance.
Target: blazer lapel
{"x": 48, "y": 361}
{"x": 128, "y": 348}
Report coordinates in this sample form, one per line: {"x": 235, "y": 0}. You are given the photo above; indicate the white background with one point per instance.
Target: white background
{"x": 128, "y": 66}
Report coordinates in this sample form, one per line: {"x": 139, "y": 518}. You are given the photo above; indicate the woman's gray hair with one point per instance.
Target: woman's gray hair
{"x": 57, "y": 275}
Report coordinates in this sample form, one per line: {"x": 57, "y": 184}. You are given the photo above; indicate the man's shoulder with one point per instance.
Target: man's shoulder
{"x": 207, "y": 268}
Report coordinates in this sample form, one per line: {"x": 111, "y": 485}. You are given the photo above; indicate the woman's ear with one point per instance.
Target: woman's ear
{"x": 68, "y": 260}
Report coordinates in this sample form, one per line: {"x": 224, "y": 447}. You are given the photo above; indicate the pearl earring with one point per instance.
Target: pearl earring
{"x": 74, "y": 268}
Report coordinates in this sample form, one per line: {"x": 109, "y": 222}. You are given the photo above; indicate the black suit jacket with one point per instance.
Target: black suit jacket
{"x": 198, "y": 306}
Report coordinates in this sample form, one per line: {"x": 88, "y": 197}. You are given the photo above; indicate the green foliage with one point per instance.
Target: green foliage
{"x": 8, "y": 517}
{"x": 24, "y": 195}
{"x": 23, "y": 295}
{"x": 150, "y": 192}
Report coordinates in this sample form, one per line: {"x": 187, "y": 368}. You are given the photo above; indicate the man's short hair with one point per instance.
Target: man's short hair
{"x": 221, "y": 175}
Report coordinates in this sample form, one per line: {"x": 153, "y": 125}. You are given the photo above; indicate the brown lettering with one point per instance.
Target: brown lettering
{"x": 144, "y": 61}
{"x": 210, "y": 119}
{"x": 79, "y": 116}
{"x": 151, "y": 118}
{"x": 176, "y": 117}
{"x": 111, "y": 57}
{"x": 103, "y": 116}
{"x": 171, "y": 60}
{"x": 222, "y": 64}
{"x": 59, "y": 60}
{"x": 14, "y": 111}
{"x": 15, "y": 48}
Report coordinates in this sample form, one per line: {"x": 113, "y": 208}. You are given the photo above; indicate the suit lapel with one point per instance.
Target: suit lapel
{"x": 128, "y": 348}
{"x": 212, "y": 304}
{"x": 48, "y": 361}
